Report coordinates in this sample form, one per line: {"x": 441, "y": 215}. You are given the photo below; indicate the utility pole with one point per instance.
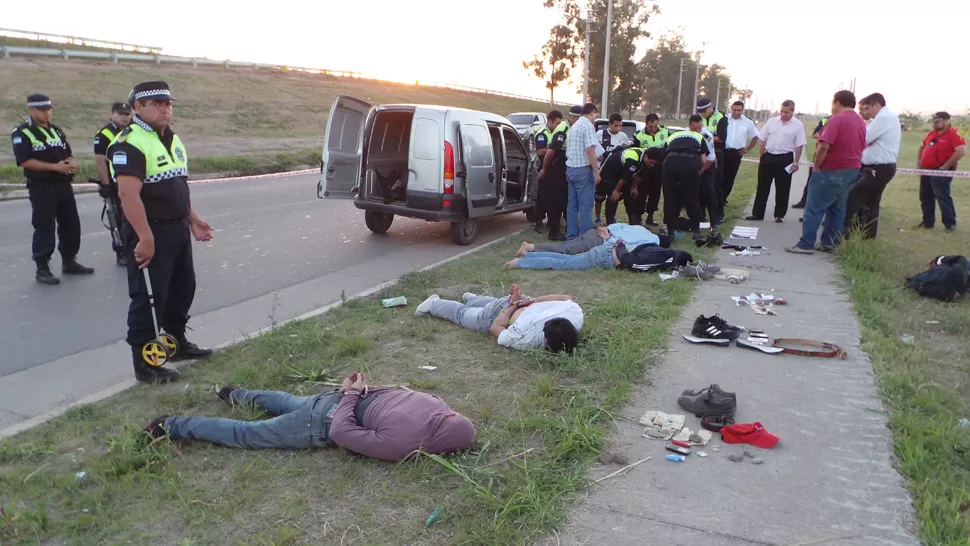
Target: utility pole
{"x": 697, "y": 77}
{"x": 680, "y": 83}
{"x": 589, "y": 22}
{"x": 717, "y": 97}
{"x": 606, "y": 58}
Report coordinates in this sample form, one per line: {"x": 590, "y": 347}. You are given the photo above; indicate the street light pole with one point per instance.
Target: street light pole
{"x": 680, "y": 84}
{"x": 586, "y": 59}
{"x": 697, "y": 77}
{"x": 606, "y": 57}
{"x": 717, "y": 97}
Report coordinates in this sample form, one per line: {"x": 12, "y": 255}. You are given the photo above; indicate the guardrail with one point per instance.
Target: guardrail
{"x": 47, "y": 37}
{"x": 116, "y": 57}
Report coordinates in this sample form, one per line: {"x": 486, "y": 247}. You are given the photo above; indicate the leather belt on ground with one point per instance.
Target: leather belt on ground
{"x": 715, "y": 423}
{"x": 828, "y": 350}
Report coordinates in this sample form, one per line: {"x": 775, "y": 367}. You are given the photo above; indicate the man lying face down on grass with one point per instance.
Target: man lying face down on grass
{"x": 548, "y": 322}
{"x": 386, "y": 424}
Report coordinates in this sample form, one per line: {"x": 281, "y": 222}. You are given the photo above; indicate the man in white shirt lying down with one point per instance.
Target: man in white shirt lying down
{"x": 547, "y": 322}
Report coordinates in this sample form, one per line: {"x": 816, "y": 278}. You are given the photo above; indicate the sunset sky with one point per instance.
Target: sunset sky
{"x": 903, "y": 50}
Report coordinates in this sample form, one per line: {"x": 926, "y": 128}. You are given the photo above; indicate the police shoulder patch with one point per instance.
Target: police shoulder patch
{"x": 119, "y": 158}
{"x": 17, "y": 139}
{"x": 633, "y": 168}
{"x": 179, "y": 154}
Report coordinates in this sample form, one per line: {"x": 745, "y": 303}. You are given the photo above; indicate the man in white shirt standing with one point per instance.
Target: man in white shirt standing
{"x": 883, "y": 135}
{"x": 582, "y": 172}
{"x": 782, "y": 141}
{"x": 610, "y": 138}
{"x": 742, "y": 135}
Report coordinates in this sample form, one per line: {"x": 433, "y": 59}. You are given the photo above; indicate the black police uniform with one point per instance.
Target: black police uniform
{"x": 603, "y": 191}
{"x": 620, "y": 171}
{"x": 51, "y": 195}
{"x": 101, "y": 143}
{"x": 720, "y": 131}
{"x": 553, "y": 193}
{"x": 681, "y": 172}
{"x": 172, "y": 272}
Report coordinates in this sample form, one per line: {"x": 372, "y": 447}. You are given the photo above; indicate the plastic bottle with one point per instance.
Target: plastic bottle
{"x": 676, "y": 458}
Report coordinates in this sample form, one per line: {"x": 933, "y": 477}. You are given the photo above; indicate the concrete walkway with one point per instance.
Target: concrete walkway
{"x": 831, "y": 478}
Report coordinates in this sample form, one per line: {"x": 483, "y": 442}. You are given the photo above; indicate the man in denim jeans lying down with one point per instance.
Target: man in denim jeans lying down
{"x": 386, "y": 424}
{"x": 633, "y": 235}
{"x": 547, "y": 322}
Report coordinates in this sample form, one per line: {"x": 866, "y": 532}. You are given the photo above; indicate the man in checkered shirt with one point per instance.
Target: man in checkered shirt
{"x": 582, "y": 172}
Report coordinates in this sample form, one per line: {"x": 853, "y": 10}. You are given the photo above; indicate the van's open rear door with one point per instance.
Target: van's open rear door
{"x": 342, "y": 149}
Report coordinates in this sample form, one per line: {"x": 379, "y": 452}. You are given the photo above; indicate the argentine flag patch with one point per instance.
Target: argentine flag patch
{"x": 17, "y": 140}
{"x": 119, "y": 158}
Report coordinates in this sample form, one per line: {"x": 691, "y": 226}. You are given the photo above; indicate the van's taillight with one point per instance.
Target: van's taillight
{"x": 449, "y": 168}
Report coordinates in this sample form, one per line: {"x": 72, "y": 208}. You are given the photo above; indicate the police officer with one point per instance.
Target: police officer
{"x": 653, "y": 139}
{"x": 611, "y": 139}
{"x": 686, "y": 156}
{"x": 42, "y": 150}
{"x": 621, "y": 174}
{"x": 815, "y": 134}
{"x": 149, "y": 163}
{"x": 717, "y": 123}
{"x": 543, "y": 140}
{"x": 552, "y": 177}
{"x": 120, "y": 117}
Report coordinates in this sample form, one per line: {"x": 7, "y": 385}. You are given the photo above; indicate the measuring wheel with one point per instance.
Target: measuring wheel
{"x": 170, "y": 344}
{"x": 154, "y": 354}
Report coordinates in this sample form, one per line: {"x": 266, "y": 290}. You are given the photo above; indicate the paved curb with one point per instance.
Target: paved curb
{"x": 115, "y": 389}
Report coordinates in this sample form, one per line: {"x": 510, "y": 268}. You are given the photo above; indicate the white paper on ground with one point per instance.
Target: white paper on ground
{"x": 744, "y": 232}
{"x": 429, "y": 368}
{"x": 666, "y": 424}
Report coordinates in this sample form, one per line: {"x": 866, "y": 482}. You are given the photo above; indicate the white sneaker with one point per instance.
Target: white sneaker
{"x": 467, "y": 296}
{"x": 425, "y": 306}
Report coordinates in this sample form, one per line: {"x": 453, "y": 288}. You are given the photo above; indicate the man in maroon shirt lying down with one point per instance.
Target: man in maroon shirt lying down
{"x": 386, "y": 424}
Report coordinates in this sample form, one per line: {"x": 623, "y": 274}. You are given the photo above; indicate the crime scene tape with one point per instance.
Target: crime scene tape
{"x": 204, "y": 180}
{"x": 920, "y": 172}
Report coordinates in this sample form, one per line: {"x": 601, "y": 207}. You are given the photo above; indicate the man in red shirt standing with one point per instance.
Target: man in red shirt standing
{"x": 838, "y": 159}
{"x": 941, "y": 150}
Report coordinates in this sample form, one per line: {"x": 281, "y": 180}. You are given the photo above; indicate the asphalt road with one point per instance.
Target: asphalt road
{"x": 269, "y": 234}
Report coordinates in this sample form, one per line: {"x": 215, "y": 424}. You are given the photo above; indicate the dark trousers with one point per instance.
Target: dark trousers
{"x": 708, "y": 196}
{"x": 53, "y": 206}
{"x": 611, "y": 175}
{"x": 862, "y": 207}
{"x": 805, "y": 189}
{"x": 551, "y": 201}
{"x": 173, "y": 282}
{"x": 719, "y": 183}
{"x": 772, "y": 169}
{"x": 933, "y": 190}
{"x": 732, "y": 163}
{"x": 651, "y": 186}
{"x": 681, "y": 185}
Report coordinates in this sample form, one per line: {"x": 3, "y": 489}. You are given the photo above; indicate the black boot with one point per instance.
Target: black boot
{"x": 188, "y": 350}
{"x": 71, "y": 267}
{"x": 122, "y": 260}
{"x": 650, "y": 221}
{"x": 151, "y": 374}
{"x": 44, "y": 275}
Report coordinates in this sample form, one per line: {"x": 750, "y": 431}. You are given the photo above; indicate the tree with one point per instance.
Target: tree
{"x": 628, "y": 29}
{"x": 660, "y": 70}
{"x": 560, "y": 54}
{"x": 710, "y": 76}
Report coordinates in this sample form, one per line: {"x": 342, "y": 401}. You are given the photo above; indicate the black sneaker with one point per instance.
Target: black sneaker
{"x": 798, "y": 205}
{"x": 44, "y": 275}
{"x": 714, "y": 328}
{"x": 121, "y": 260}
{"x": 708, "y": 403}
{"x": 71, "y": 267}
{"x": 224, "y": 393}
{"x": 188, "y": 350}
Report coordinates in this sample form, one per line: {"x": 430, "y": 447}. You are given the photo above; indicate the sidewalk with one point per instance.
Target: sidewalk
{"x": 830, "y": 480}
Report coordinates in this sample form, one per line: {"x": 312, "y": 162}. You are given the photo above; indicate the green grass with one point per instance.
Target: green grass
{"x": 499, "y": 492}
{"x": 262, "y": 163}
{"x": 925, "y": 382}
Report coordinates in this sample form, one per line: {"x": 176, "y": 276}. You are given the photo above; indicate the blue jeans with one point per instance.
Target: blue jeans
{"x": 827, "y": 195}
{"x": 299, "y": 422}
{"x": 600, "y": 257}
{"x": 579, "y": 209}
{"x": 477, "y": 313}
{"x": 933, "y": 190}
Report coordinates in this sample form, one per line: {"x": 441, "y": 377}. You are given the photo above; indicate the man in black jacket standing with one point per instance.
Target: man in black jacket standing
{"x": 42, "y": 150}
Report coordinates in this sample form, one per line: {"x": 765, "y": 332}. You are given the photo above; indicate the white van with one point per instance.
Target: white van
{"x": 436, "y": 163}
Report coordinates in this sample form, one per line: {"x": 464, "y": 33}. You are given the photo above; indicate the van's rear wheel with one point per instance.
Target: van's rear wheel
{"x": 463, "y": 232}
{"x": 378, "y": 222}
